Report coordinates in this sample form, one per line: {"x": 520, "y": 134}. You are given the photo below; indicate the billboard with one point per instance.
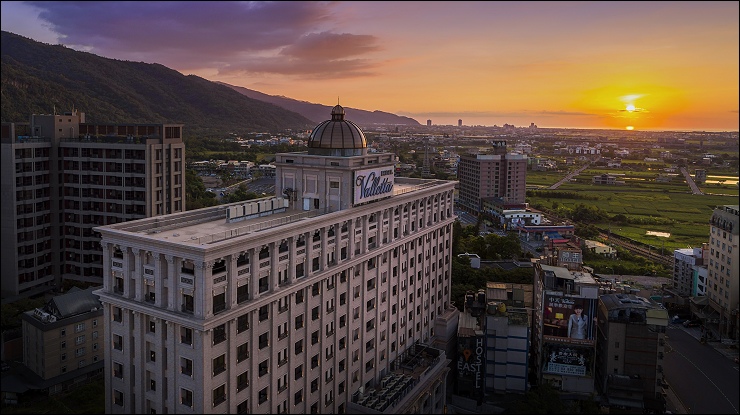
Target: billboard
{"x": 470, "y": 365}
{"x": 566, "y": 359}
{"x": 373, "y": 184}
{"x": 569, "y": 319}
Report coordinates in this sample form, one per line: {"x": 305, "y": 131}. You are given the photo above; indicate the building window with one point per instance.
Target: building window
{"x": 117, "y": 370}
{"x": 299, "y": 322}
{"x": 219, "y": 334}
{"x": 242, "y": 323}
{"x": 117, "y": 342}
{"x": 264, "y": 313}
{"x": 243, "y": 408}
{"x": 117, "y": 397}
{"x": 242, "y": 381}
{"x": 263, "y": 396}
{"x": 299, "y": 297}
{"x": 186, "y": 397}
{"x": 264, "y": 340}
{"x": 186, "y": 336}
{"x": 219, "y": 395}
{"x": 219, "y": 364}
{"x": 263, "y": 367}
{"x": 242, "y": 352}
{"x": 186, "y": 366}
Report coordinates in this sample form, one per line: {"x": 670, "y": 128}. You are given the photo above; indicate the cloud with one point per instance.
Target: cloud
{"x": 293, "y": 38}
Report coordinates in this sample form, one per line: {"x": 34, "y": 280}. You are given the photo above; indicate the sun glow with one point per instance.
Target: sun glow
{"x": 630, "y": 128}
{"x": 630, "y": 107}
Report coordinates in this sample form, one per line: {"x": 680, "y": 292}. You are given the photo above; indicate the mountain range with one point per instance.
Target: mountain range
{"x": 38, "y": 78}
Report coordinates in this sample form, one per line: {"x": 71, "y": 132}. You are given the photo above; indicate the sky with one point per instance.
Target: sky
{"x": 665, "y": 65}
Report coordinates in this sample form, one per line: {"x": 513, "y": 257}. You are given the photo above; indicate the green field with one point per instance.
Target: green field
{"x": 648, "y": 205}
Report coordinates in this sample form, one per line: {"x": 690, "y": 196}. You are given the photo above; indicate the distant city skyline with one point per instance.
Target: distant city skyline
{"x": 604, "y": 65}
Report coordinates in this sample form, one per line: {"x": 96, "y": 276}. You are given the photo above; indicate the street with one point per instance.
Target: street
{"x": 704, "y": 380}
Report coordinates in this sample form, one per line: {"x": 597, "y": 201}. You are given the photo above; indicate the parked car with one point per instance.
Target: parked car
{"x": 678, "y": 320}
{"x": 691, "y": 323}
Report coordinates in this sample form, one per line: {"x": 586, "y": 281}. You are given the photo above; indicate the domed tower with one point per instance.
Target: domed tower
{"x": 337, "y": 137}
{"x": 337, "y": 172}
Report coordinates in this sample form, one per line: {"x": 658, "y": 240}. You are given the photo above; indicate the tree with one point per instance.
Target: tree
{"x": 196, "y": 196}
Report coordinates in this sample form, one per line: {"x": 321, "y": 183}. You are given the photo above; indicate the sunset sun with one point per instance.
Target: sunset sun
{"x": 630, "y": 107}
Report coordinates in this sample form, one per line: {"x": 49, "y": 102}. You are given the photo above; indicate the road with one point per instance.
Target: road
{"x": 570, "y": 176}
{"x": 705, "y": 380}
{"x": 694, "y": 188}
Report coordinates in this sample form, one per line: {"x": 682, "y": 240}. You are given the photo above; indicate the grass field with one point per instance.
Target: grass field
{"x": 649, "y": 205}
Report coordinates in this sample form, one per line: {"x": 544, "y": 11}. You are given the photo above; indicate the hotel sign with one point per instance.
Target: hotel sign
{"x": 373, "y": 184}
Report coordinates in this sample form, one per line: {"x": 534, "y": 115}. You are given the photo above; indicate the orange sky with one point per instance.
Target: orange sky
{"x": 650, "y": 65}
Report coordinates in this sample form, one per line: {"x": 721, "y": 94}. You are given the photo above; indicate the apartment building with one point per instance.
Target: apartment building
{"x": 65, "y": 176}
{"x": 685, "y": 270}
{"x": 723, "y": 272}
{"x": 62, "y": 342}
{"x": 331, "y": 297}
{"x": 496, "y": 174}
{"x": 630, "y": 350}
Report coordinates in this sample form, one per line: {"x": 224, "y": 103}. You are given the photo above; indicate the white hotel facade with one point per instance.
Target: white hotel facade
{"x": 331, "y": 297}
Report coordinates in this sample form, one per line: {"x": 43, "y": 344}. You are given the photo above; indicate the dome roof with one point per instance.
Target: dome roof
{"x": 337, "y": 133}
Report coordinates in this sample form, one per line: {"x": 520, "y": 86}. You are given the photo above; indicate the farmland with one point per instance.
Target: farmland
{"x": 640, "y": 206}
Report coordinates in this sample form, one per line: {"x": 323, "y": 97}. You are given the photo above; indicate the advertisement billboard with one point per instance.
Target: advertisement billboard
{"x": 569, "y": 319}
{"x": 565, "y": 359}
{"x": 373, "y": 184}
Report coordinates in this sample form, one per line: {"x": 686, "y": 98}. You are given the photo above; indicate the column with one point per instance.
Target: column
{"x": 291, "y": 259}
{"x": 363, "y": 241}
{"x": 231, "y": 277}
{"x": 253, "y": 274}
{"x": 107, "y": 278}
{"x": 200, "y": 290}
{"x": 324, "y": 261}
{"x": 274, "y": 259}
{"x": 172, "y": 281}
{"x": 174, "y": 364}
{"x": 138, "y": 275}
{"x": 126, "y": 265}
{"x": 159, "y": 279}
{"x": 351, "y": 239}
{"x": 309, "y": 254}
{"x": 139, "y": 362}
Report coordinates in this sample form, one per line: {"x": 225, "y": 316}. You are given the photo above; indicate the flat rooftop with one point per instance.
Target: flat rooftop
{"x": 212, "y": 224}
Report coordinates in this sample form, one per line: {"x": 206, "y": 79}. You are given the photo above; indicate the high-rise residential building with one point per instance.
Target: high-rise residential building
{"x": 459, "y": 123}
{"x": 496, "y": 174}
{"x": 62, "y": 176}
{"x": 723, "y": 271}
{"x": 564, "y": 333}
{"x": 333, "y": 296}
{"x": 687, "y": 279}
{"x": 429, "y": 123}
{"x": 630, "y": 347}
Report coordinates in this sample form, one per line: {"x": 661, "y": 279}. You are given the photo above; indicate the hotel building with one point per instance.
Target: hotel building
{"x": 62, "y": 176}
{"x": 331, "y": 297}
{"x": 496, "y": 175}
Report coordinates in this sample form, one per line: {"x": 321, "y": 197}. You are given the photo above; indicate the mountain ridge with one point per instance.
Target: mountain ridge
{"x": 39, "y": 78}
{"x": 318, "y": 112}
